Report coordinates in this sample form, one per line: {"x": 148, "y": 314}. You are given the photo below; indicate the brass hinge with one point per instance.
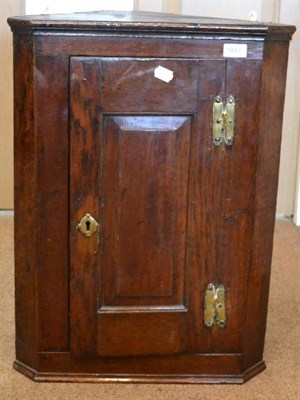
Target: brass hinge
{"x": 223, "y": 121}
{"x": 214, "y": 306}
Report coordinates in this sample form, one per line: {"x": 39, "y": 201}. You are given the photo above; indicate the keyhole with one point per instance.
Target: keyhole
{"x": 87, "y": 225}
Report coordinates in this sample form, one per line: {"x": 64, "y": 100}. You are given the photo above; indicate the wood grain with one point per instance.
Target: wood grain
{"x": 86, "y": 150}
{"x": 96, "y": 132}
{"x": 265, "y": 192}
{"x": 24, "y": 202}
{"x": 132, "y": 21}
{"x": 52, "y": 201}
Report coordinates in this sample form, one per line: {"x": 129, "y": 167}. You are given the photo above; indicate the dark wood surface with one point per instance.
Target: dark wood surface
{"x": 25, "y": 175}
{"x": 96, "y": 132}
{"x": 148, "y": 21}
{"x": 52, "y": 199}
{"x": 265, "y": 194}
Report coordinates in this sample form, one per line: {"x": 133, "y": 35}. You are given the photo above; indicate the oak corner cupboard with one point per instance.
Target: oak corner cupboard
{"x": 146, "y": 166}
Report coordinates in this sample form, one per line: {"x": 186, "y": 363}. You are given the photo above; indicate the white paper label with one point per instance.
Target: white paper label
{"x": 164, "y": 74}
{"x": 234, "y": 50}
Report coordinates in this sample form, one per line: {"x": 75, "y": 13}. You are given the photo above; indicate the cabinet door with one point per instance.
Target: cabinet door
{"x": 131, "y": 136}
{"x": 174, "y": 211}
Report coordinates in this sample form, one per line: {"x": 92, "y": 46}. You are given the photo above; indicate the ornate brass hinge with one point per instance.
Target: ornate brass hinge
{"x": 223, "y": 121}
{"x": 214, "y": 306}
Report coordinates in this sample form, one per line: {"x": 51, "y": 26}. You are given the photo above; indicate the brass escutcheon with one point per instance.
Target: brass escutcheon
{"x": 88, "y": 225}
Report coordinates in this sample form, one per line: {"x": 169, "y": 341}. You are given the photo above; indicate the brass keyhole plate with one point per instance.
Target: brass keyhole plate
{"x": 88, "y": 225}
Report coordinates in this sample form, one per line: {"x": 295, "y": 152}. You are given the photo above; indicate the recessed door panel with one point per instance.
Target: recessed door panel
{"x": 145, "y": 210}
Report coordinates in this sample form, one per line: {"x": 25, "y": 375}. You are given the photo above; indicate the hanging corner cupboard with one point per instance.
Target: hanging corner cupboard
{"x": 146, "y": 166}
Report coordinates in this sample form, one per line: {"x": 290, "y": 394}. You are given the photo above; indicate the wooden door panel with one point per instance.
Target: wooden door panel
{"x": 142, "y": 333}
{"x": 146, "y": 164}
{"x": 129, "y": 85}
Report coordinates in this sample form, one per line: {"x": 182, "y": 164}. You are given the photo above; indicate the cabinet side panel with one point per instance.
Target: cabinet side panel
{"x": 271, "y": 112}
{"x": 24, "y": 203}
{"x": 235, "y": 212}
{"x": 51, "y": 94}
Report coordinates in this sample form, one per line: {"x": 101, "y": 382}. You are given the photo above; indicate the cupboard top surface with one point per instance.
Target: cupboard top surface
{"x": 147, "y": 21}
